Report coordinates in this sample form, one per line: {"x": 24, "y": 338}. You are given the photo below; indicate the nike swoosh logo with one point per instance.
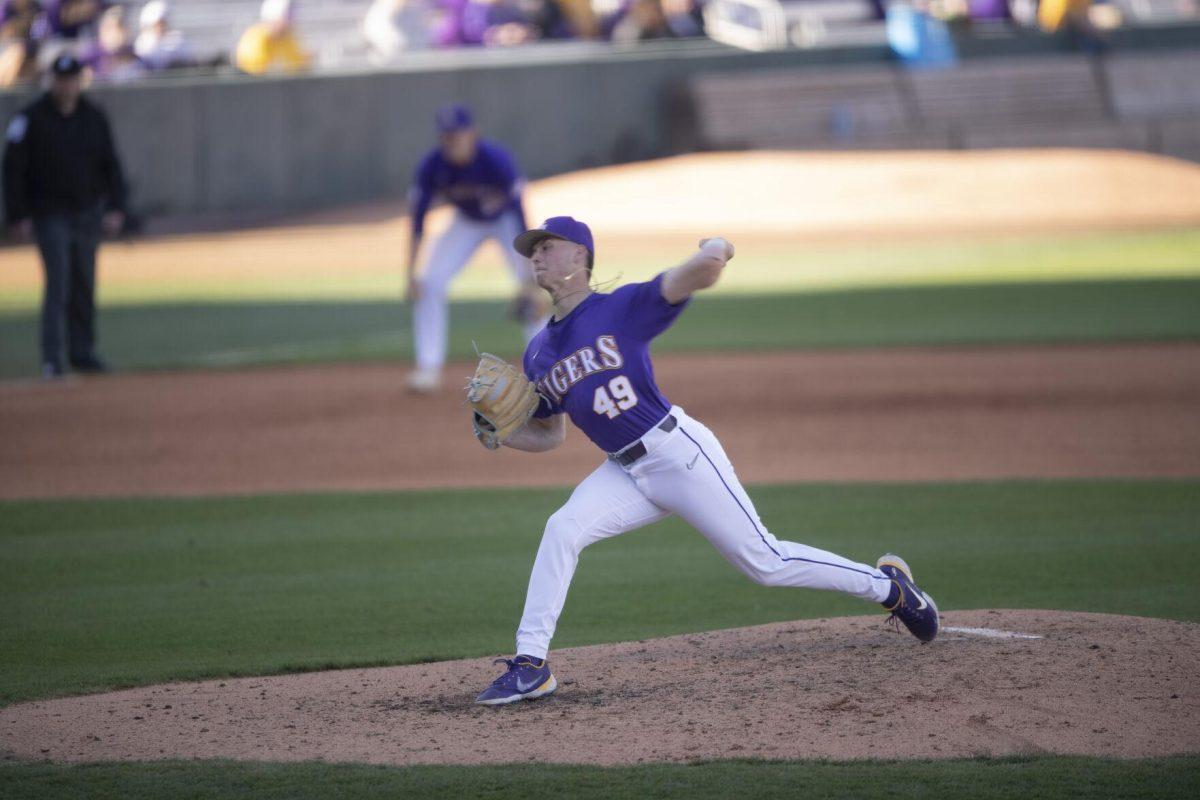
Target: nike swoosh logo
{"x": 689, "y": 466}
{"x": 525, "y": 687}
{"x": 920, "y": 596}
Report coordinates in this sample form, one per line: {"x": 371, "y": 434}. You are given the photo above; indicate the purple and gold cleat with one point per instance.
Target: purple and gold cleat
{"x": 913, "y": 607}
{"x": 527, "y": 678}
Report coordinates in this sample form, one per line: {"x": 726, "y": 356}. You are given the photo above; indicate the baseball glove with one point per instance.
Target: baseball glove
{"x": 502, "y": 400}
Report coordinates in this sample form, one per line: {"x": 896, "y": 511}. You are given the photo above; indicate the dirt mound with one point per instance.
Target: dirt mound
{"x": 947, "y": 414}
{"x": 847, "y": 688}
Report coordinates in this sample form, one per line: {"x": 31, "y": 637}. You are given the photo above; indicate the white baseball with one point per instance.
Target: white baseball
{"x": 717, "y": 247}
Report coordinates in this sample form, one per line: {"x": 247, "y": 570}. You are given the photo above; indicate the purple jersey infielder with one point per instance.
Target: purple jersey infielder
{"x": 592, "y": 363}
{"x": 480, "y": 178}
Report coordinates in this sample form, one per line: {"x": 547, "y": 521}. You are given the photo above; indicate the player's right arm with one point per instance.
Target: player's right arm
{"x": 412, "y": 287}
{"x": 420, "y": 197}
{"x": 698, "y": 272}
{"x": 539, "y": 434}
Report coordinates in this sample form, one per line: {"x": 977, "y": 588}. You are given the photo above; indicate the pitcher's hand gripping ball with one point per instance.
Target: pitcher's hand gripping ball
{"x": 502, "y": 399}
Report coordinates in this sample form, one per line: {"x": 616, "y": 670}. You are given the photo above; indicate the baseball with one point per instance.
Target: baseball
{"x": 718, "y": 247}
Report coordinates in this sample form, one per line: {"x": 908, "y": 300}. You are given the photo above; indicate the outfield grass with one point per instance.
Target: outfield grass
{"x": 1050, "y": 778}
{"x": 100, "y": 594}
{"x": 235, "y": 334}
{"x": 329, "y": 267}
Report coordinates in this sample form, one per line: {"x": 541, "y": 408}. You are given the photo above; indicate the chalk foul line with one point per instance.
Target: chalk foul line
{"x": 991, "y": 633}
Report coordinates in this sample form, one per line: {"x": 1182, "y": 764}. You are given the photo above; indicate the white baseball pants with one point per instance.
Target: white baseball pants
{"x": 685, "y": 471}
{"x": 449, "y": 255}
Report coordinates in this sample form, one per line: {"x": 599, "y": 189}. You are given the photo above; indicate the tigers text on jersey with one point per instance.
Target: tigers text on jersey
{"x": 594, "y": 364}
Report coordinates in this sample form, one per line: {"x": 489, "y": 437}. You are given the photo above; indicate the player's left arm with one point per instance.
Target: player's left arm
{"x": 539, "y": 434}
{"x": 699, "y": 272}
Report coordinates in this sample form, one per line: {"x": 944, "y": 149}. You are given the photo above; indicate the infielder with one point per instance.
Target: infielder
{"x": 592, "y": 363}
{"x": 481, "y": 179}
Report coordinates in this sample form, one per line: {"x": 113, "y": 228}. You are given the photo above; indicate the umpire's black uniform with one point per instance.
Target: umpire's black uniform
{"x": 62, "y": 171}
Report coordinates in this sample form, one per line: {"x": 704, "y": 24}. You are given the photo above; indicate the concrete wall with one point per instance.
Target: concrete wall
{"x": 243, "y": 146}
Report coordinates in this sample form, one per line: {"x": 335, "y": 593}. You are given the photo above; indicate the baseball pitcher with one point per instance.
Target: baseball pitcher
{"x": 591, "y": 363}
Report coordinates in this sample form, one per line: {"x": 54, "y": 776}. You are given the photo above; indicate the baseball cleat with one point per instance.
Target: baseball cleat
{"x": 527, "y": 678}
{"x": 913, "y": 607}
{"x": 424, "y": 381}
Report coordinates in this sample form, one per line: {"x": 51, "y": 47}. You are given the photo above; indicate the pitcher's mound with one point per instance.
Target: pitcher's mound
{"x": 839, "y": 688}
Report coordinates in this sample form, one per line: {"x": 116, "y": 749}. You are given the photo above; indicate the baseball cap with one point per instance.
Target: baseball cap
{"x": 453, "y": 118}
{"x": 66, "y": 64}
{"x": 567, "y": 228}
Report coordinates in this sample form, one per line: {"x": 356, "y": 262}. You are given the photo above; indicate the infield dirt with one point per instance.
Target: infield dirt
{"x": 945, "y": 414}
{"x": 841, "y": 689}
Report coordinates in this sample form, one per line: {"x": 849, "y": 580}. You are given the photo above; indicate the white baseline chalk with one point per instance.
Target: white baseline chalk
{"x": 992, "y": 633}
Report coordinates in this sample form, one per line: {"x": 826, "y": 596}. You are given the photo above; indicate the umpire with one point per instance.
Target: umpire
{"x": 63, "y": 184}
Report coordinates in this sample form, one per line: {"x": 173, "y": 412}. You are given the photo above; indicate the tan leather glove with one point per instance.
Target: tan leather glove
{"x": 502, "y": 400}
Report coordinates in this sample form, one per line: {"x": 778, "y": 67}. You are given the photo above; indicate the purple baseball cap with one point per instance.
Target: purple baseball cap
{"x": 567, "y": 228}
{"x": 453, "y": 118}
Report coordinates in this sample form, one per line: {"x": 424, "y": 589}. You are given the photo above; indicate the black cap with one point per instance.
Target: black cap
{"x": 66, "y": 64}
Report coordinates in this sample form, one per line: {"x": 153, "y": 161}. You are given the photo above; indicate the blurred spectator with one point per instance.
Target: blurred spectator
{"x": 111, "y": 56}
{"x": 919, "y": 40}
{"x": 63, "y": 184}
{"x": 685, "y": 18}
{"x": 642, "y": 20}
{"x": 74, "y": 19}
{"x": 17, "y": 19}
{"x": 158, "y": 45}
{"x": 1070, "y": 19}
{"x": 548, "y": 19}
{"x": 22, "y": 24}
{"x": 271, "y": 43}
{"x": 393, "y": 26}
{"x": 580, "y": 17}
{"x": 989, "y": 9}
{"x": 498, "y": 23}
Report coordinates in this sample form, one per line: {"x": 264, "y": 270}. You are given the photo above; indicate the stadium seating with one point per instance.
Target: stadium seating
{"x": 331, "y": 29}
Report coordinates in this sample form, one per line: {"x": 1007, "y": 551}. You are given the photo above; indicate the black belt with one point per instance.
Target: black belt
{"x": 636, "y": 451}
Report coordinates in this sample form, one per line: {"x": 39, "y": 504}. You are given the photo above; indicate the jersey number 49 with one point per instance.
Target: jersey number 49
{"x": 618, "y": 397}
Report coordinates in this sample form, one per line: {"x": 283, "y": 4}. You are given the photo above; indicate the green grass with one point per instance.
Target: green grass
{"x": 171, "y": 336}
{"x": 766, "y": 264}
{"x": 1041, "y": 778}
{"x": 100, "y": 594}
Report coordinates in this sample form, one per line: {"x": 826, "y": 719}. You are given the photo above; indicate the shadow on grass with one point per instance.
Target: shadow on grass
{"x": 244, "y": 334}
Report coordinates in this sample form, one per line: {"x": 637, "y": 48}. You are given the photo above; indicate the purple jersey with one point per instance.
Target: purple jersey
{"x": 482, "y": 190}
{"x": 594, "y": 364}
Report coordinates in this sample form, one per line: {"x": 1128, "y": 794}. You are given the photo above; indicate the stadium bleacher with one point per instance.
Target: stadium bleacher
{"x": 331, "y": 29}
